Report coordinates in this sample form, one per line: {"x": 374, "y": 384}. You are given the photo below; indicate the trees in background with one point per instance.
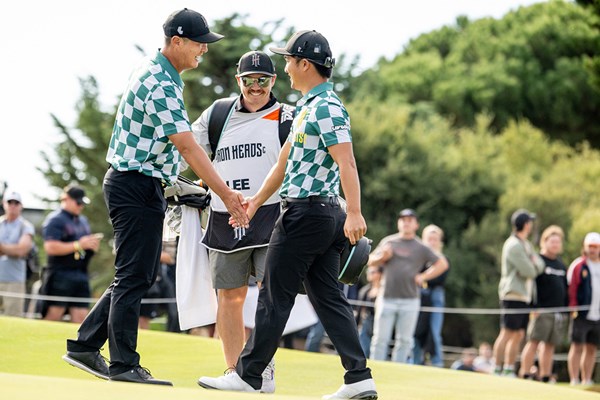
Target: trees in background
{"x": 534, "y": 64}
{"x": 469, "y": 181}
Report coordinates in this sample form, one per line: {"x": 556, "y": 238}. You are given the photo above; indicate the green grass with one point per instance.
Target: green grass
{"x": 31, "y": 368}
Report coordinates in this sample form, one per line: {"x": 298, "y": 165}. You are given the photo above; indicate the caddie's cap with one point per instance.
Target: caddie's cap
{"x": 354, "y": 260}
{"x": 520, "y": 218}
{"x": 592, "y": 238}
{"x": 12, "y": 195}
{"x": 189, "y": 24}
{"x": 407, "y": 212}
{"x": 255, "y": 62}
{"x": 310, "y": 45}
{"x": 76, "y": 193}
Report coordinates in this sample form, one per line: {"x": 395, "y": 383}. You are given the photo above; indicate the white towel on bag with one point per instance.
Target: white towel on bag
{"x": 196, "y": 298}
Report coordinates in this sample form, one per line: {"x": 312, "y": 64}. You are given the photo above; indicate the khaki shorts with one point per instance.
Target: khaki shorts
{"x": 548, "y": 328}
{"x": 13, "y": 306}
{"x": 234, "y": 270}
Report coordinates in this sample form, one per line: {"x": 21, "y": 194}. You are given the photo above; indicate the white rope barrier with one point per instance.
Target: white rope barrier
{"x": 75, "y": 299}
{"x": 445, "y": 310}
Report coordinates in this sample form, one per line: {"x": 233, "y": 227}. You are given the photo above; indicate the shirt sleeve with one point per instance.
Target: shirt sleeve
{"x": 334, "y": 124}
{"x": 166, "y": 110}
{"x": 53, "y": 230}
{"x": 28, "y": 228}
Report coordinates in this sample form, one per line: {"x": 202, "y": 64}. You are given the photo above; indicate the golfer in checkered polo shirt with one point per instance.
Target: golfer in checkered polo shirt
{"x": 151, "y": 134}
{"x": 308, "y": 237}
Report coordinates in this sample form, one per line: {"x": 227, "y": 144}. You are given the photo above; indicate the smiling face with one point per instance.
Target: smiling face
{"x": 256, "y": 90}
{"x": 184, "y": 53}
{"x": 292, "y": 68}
{"x": 193, "y": 53}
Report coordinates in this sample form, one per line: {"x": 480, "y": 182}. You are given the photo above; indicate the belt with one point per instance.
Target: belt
{"x": 332, "y": 200}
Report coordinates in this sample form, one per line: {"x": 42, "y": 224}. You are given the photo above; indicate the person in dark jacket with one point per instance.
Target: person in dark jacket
{"x": 584, "y": 290}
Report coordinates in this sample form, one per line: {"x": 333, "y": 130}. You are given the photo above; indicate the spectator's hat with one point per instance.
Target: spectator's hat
{"x": 310, "y": 45}
{"x": 354, "y": 260}
{"x": 76, "y": 193}
{"x": 520, "y": 218}
{"x": 189, "y": 24}
{"x": 592, "y": 238}
{"x": 407, "y": 212}
{"x": 12, "y": 195}
{"x": 255, "y": 62}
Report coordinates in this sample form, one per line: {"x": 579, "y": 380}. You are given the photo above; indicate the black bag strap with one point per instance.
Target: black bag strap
{"x": 220, "y": 114}
{"x": 286, "y": 117}
{"x": 216, "y": 122}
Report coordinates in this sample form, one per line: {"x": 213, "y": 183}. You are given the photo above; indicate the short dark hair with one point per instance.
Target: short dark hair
{"x": 322, "y": 70}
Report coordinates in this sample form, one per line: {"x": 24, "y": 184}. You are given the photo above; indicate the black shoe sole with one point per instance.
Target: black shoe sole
{"x": 368, "y": 395}
{"x": 147, "y": 382}
{"x": 84, "y": 367}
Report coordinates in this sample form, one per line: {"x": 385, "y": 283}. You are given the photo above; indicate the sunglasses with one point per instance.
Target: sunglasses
{"x": 263, "y": 81}
{"x": 13, "y": 202}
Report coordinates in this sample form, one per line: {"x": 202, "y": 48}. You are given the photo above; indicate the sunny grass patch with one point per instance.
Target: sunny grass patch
{"x": 31, "y": 368}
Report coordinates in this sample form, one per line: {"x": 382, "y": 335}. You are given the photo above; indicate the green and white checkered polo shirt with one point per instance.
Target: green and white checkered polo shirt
{"x": 321, "y": 121}
{"x": 151, "y": 109}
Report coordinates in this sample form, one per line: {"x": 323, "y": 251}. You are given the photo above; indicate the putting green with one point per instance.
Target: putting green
{"x": 31, "y": 368}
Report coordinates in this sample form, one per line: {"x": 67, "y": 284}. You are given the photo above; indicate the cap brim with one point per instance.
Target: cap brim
{"x": 209, "y": 37}
{"x": 83, "y": 200}
{"x": 280, "y": 50}
{"x": 256, "y": 72}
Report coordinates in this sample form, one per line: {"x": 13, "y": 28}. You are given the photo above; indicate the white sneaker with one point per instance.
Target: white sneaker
{"x": 268, "y": 378}
{"x": 230, "y": 381}
{"x": 363, "y": 390}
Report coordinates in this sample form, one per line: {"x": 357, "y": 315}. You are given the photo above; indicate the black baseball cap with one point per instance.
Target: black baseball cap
{"x": 189, "y": 24}
{"x": 407, "y": 212}
{"x": 310, "y": 45}
{"x": 76, "y": 193}
{"x": 255, "y": 62}
{"x": 520, "y": 217}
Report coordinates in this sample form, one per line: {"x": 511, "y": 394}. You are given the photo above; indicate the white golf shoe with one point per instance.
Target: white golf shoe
{"x": 362, "y": 390}
{"x": 268, "y": 378}
{"x": 230, "y": 381}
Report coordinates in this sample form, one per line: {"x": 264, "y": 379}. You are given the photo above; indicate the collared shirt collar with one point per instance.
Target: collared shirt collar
{"x": 167, "y": 66}
{"x": 314, "y": 92}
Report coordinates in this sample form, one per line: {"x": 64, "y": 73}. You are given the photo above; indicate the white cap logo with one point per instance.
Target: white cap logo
{"x": 255, "y": 60}
{"x": 317, "y": 48}
{"x": 180, "y": 30}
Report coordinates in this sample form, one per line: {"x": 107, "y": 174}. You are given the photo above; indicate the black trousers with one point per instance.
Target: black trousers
{"x": 305, "y": 247}
{"x": 136, "y": 205}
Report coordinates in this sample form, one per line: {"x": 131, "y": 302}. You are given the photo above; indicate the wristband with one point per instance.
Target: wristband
{"x": 79, "y": 252}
